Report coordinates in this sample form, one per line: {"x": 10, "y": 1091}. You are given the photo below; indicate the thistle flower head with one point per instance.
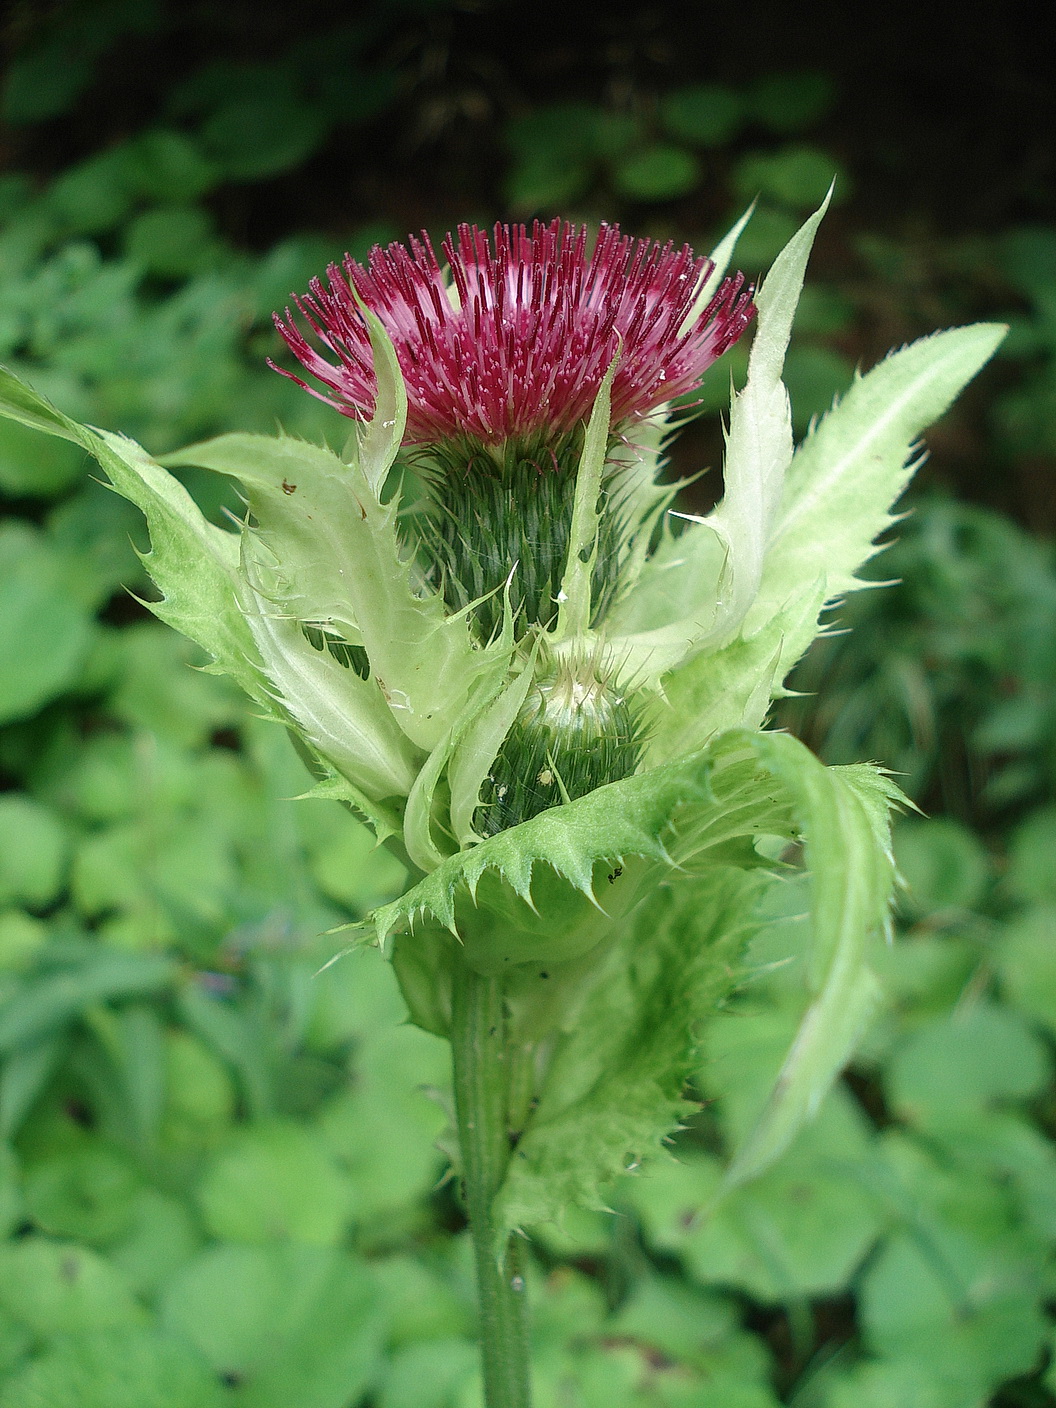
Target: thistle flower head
{"x": 530, "y": 365}
{"x": 513, "y": 346}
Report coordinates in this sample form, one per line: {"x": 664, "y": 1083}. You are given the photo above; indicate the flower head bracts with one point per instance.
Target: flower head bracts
{"x": 515, "y": 345}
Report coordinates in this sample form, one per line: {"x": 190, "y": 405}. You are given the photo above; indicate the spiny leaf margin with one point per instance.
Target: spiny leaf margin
{"x": 627, "y": 818}
{"x": 844, "y": 816}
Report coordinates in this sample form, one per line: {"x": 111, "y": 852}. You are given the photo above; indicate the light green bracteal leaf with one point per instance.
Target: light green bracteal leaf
{"x": 465, "y": 753}
{"x": 851, "y": 469}
{"x": 335, "y": 561}
{"x": 422, "y": 849}
{"x": 476, "y": 752}
{"x": 675, "y": 597}
{"x": 639, "y": 502}
{"x": 345, "y": 718}
{"x": 573, "y": 617}
{"x": 837, "y": 500}
{"x": 759, "y": 441}
{"x": 728, "y": 688}
{"x": 614, "y": 1089}
{"x": 21, "y": 403}
{"x": 384, "y": 821}
{"x": 419, "y": 814}
{"x": 697, "y": 587}
{"x": 196, "y": 566}
{"x": 844, "y": 816}
{"x": 610, "y": 824}
{"x": 672, "y": 606}
{"x": 194, "y": 563}
{"x": 378, "y": 443}
{"x": 302, "y": 499}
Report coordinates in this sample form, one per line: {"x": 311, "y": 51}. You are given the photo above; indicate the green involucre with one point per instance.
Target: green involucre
{"x": 496, "y": 526}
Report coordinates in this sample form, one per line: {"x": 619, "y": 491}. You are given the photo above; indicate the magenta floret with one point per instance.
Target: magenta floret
{"x": 515, "y": 343}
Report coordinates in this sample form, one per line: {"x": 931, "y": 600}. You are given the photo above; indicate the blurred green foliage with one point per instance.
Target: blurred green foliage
{"x": 221, "y": 1177}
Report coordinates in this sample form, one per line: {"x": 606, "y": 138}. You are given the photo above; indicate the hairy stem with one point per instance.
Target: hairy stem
{"x": 482, "y": 1078}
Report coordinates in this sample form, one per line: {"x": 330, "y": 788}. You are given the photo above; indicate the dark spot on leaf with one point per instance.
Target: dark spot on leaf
{"x": 80, "y": 1113}
{"x": 287, "y": 487}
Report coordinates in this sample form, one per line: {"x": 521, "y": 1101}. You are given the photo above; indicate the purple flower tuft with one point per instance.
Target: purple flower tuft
{"x": 515, "y": 343}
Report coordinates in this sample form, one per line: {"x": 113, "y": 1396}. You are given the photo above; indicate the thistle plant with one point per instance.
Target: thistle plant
{"x": 491, "y": 637}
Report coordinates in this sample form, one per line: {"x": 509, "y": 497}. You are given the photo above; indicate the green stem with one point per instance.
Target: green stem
{"x": 481, "y": 1072}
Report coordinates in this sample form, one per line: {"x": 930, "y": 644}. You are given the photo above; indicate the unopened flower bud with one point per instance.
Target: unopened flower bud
{"x": 576, "y": 731}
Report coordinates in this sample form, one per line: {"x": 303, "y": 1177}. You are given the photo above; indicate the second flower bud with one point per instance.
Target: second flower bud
{"x": 577, "y": 730}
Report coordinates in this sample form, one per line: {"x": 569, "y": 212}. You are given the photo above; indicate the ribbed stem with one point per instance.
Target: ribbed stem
{"x": 481, "y": 1077}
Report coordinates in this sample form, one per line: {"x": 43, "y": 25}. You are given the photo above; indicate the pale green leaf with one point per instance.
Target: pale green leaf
{"x": 194, "y": 563}
{"x": 844, "y": 816}
{"x": 851, "y": 469}
{"x": 345, "y": 718}
{"x": 614, "y": 1090}
{"x": 608, "y": 825}
{"x": 333, "y": 559}
{"x": 33, "y": 852}
{"x": 84, "y": 1194}
{"x": 379, "y": 442}
{"x": 275, "y": 1180}
{"x": 732, "y": 687}
{"x": 800, "y": 1230}
{"x": 60, "y": 1288}
{"x": 695, "y": 590}
{"x": 476, "y": 752}
{"x": 759, "y": 442}
{"x": 573, "y": 617}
